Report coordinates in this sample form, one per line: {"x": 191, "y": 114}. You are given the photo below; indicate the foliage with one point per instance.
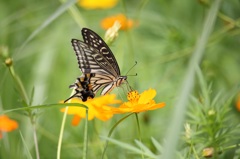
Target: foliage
{"x": 38, "y": 64}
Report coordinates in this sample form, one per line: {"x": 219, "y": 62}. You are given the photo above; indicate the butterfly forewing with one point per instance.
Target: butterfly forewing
{"x": 84, "y": 56}
{"x": 90, "y": 60}
{"x": 95, "y": 41}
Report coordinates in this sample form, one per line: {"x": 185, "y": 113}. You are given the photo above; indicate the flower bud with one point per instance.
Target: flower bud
{"x": 112, "y": 33}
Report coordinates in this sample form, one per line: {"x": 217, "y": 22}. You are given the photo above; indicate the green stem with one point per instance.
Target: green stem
{"x": 34, "y": 135}
{"x": 139, "y": 132}
{"x": 43, "y": 106}
{"x": 20, "y": 86}
{"x": 61, "y": 133}
{"x": 74, "y": 11}
{"x": 140, "y": 7}
{"x": 111, "y": 131}
{"x": 85, "y": 146}
{"x": 25, "y": 98}
{"x": 194, "y": 150}
{"x": 229, "y": 147}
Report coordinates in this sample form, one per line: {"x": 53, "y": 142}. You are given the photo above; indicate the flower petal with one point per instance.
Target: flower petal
{"x": 146, "y": 96}
{"x": 97, "y": 4}
{"x": 7, "y": 124}
{"x": 156, "y": 106}
{"x": 139, "y": 103}
{"x": 76, "y": 120}
{"x": 97, "y": 107}
{"x": 108, "y": 22}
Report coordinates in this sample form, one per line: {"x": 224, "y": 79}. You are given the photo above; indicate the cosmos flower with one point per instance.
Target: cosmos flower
{"x": 7, "y": 124}
{"x": 139, "y": 102}
{"x": 238, "y": 103}
{"x": 97, "y": 108}
{"x": 125, "y": 23}
{"x": 97, "y": 4}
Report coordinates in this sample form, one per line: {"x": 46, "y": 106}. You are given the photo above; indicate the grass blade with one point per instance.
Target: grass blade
{"x": 48, "y": 21}
{"x": 29, "y": 156}
{"x": 180, "y": 111}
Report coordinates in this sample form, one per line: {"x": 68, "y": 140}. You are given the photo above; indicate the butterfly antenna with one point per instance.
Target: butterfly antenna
{"x": 131, "y": 69}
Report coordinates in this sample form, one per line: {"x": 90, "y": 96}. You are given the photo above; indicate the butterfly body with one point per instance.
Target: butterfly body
{"x": 98, "y": 65}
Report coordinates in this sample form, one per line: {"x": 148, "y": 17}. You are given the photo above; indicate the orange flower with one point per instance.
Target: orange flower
{"x": 7, "y": 125}
{"x": 97, "y": 107}
{"x": 121, "y": 18}
{"x": 139, "y": 102}
{"x": 97, "y": 4}
{"x": 238, "y": 103}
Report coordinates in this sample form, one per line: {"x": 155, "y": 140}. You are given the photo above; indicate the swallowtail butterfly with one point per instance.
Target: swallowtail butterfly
{"x": 98, "y": 65}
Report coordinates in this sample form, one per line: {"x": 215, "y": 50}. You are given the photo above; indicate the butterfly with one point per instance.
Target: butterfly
{"x": 98, "y": 65}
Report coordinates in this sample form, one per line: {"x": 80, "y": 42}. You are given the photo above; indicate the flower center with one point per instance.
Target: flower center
{"x": 133, "y": 96}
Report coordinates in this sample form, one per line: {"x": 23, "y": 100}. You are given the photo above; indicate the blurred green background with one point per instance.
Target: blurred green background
{"x": 162, "y": 43}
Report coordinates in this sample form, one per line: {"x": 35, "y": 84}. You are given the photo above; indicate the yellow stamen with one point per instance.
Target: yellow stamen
{"x": 133, "y": 96}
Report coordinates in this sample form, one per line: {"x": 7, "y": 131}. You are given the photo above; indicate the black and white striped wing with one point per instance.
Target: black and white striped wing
{"x": 102, "y": 80}
{"x": 94, "y": 40}
{"x": 90, "y": 60}
{"x": 98, "y": 65}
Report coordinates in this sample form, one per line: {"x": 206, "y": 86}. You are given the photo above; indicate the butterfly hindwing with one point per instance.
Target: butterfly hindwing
{"x": 83, "y": 88}
{"x": 101, "y": 80}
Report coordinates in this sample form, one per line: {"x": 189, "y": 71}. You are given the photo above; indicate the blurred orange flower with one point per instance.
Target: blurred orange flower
{"x": 139, "y": 102}
{"x": 7, "y": 124}
{"x": 97, "y": 107}
{"x": 238, "y": 103}
{"x": 97, "y": 4}
{"x": 108, "y": 22}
